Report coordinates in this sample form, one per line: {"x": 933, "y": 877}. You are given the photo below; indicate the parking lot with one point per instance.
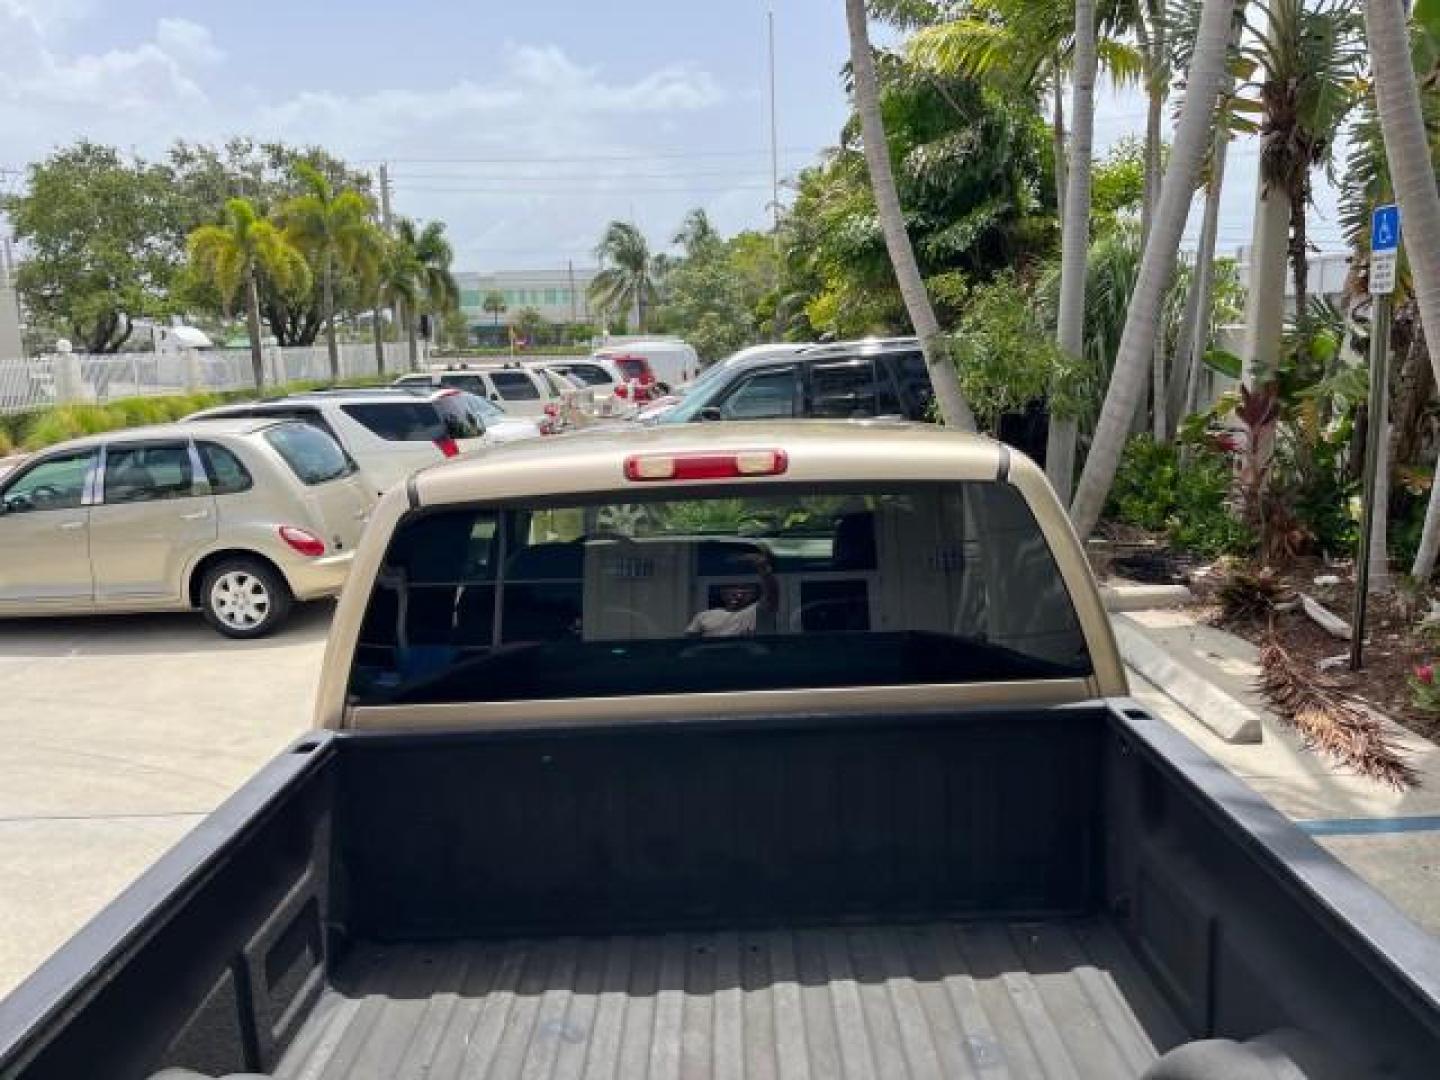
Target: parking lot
{"x": 120, "y": 734}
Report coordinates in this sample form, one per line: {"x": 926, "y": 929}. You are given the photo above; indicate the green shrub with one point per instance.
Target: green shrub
{"x": 137, "y": 412}
{"x": 6, "y": 446}
{"x": 70, "y": 422}
{"x": 1190, "y": 504}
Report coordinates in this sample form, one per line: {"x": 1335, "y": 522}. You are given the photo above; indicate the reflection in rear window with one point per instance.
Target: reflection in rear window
{"x": 790, "y": 589}
{"x": 311, "y": 454}
{"x": 399, "y": 421}
{"x": 634, "y": 367}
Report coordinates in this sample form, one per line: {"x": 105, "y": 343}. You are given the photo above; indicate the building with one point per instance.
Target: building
{"x": 560, "y": 295}
{"x": 11, "y": 346}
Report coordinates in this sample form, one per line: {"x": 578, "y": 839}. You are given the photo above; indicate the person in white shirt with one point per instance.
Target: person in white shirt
{"x": 743, "y": 608}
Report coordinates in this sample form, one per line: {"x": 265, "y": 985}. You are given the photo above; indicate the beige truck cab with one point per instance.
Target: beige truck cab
{"x": 653, "y": 572}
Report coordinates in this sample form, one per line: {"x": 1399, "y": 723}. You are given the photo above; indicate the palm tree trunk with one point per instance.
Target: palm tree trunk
{"x": 1057, "y": 134}
{"x": 1407, "y": 149}
{"x": 1264, "y": 308}
{"x": 1142, "y": 321}
{"x": 252, "y": 326}
{"x": 1195, "y": 333}
{"x": 1299, "y": 257}
{"x": 954, "y": 409}
{"x": 412, "y": 317}
{"x": 1150, "y": 52}
{"x": 1074, "y": 241}
{"x": 329, "y": 300}
{"x": 377, "y": 326}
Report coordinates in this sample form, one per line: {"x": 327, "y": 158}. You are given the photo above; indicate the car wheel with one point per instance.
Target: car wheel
{"x": 244, "y": 598}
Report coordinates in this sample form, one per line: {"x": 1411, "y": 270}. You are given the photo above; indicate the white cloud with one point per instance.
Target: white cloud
{"x": 188, "y": 42}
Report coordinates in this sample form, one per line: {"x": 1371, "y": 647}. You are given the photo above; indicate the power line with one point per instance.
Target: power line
{"x": 532, "y": 159}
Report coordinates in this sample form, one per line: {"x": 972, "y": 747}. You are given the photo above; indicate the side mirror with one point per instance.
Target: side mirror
{"x": 710, "y": 412}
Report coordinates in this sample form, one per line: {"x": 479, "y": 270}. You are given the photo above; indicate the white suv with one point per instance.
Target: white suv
{"x": 389, "y": 433}
{"x": 511, "y": 385}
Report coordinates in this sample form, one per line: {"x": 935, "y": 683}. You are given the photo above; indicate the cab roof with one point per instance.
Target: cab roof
{"x": 180, "y": 429}
{"x": 818, "y": 451}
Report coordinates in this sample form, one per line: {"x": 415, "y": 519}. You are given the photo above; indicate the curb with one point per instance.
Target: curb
{"x": 1144, "y": 597}
{"x": 1228, "y": 718}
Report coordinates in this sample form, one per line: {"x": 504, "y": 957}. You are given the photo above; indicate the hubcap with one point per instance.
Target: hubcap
{"x": 239, "y": 600}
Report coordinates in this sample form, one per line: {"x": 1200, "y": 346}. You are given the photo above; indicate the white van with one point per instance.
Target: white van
{"x": 672, "y": 360}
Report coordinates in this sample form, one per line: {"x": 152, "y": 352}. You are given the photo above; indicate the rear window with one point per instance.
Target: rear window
{"x": 223, "y": 469}
{"x": 460, "y": 416}
{"x": 590, "y": 374}
{"x": 633, "y": 367}
{"x": 794, "y": 588}
{"x": 312, "y": 455}
{"x": 399, "y": 421}
{"x": 471, "y": 384}
{"x": 515, "y": 386}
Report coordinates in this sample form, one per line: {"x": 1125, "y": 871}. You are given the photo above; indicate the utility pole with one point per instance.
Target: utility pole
{"x": 385, "y": 196}
{"x": 774, "y": 141}
{"x": 570, "y": 269}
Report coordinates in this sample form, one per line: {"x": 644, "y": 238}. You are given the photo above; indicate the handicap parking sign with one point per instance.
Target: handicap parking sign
{"x": 1384, "y": 249}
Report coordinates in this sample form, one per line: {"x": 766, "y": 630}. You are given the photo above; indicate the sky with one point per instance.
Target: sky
{"x": 525, "y": 126}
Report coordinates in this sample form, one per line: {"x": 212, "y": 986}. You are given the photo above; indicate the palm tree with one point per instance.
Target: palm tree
{"x": 954, "y": 409}
{"x": 334, "y": 228}
{"x": 438, "y": 288}
{"x": 397, "y": 283}
{"x": 1204, "y": 84}
{"x": 1307, "y": 64}
{"x": 236, "y": 254}
{"x": 629, "y": 279}
{"x": 1397, "y": 96}
{"x": 1074, "y": 240}
{"x": 494, "y": 304}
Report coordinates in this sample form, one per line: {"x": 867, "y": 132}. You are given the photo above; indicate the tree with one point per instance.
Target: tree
{"x": 204, "y": 176}
{"x": 1204, "y": 84}
{"x": 628, "y": 281}
{"x": 1407, "y": 147}
{"x": 101, "y": 247}
{"x": 494, "y": 304}
{"x": 334, "y": 227}
{"x": 397, "y": 287}
{"x": 951, "y": 400}
{"x": 236, "y": 255}
{"x": 528, "y": 324}
{"x": 437, "y": 287}
{"x": 1308, "y": 62}
{"x": 1074, "y": 240}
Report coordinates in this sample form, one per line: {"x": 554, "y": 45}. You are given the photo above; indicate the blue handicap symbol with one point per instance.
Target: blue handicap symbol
{"x": 1385, "y": 228}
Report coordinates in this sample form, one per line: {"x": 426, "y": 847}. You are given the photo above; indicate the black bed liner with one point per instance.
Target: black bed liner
{"x": 1057, "y": 998}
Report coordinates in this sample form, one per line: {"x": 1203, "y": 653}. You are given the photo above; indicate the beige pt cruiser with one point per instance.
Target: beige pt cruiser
{"x": 239, "y": 518}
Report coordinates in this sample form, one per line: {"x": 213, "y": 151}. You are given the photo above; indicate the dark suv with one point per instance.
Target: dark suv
{"x": 844, "y": 381}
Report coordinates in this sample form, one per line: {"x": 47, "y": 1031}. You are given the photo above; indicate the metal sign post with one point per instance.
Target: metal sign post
{"x": 1384, "y": 254}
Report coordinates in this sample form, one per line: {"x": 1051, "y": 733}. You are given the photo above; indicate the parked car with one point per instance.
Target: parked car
{"x": 509, "y": 384}
{"x": 657, "y": 407}
{"x": 847, "y": 380}
{"x": 617, "y": 387}
{"x": 830, "y": 772}
{"x": 239, "y": 518}
{"x": 388, "y": 432}
{"x": 670, "y": 360}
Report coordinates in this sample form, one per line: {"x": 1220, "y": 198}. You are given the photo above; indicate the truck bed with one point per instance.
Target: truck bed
{"x": 1019, "y": 999}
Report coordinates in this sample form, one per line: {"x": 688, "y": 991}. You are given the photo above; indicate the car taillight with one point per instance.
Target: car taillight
{"x": 705, "y": 466}
{"x": 552, "y": 409}
{"x": 547, "y": 425}
{"x": 306, "y": 543}
{"x": 622, "y": 390}
{"x": 447, "y": 446}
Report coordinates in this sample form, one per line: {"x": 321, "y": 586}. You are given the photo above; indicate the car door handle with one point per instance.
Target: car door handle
{"x": 198, "y": 515}
{"x": 70, "y": 525}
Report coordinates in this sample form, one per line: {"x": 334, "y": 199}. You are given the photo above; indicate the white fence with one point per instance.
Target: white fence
{"x": 62, "y": 377}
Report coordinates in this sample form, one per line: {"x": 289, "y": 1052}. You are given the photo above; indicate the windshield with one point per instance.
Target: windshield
{"x": 797, "y": 587}
{"x": 633, "y": 367}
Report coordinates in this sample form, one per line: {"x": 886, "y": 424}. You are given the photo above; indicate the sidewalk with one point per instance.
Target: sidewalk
{"x": 1390, "y": 838}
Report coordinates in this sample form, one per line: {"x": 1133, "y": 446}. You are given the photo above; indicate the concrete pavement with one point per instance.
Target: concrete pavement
{"x": 120, "y": 734}
{"x": 1390, "y": 838}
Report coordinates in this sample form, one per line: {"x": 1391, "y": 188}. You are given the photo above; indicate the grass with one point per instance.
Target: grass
{"x": 40, "y": 428}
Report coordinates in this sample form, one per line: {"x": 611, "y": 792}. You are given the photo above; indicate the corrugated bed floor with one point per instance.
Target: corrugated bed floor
{"x": 1055, "y": 999}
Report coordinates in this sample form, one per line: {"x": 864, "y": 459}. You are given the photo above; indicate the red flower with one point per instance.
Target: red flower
{"x": 1425, "y": 673}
